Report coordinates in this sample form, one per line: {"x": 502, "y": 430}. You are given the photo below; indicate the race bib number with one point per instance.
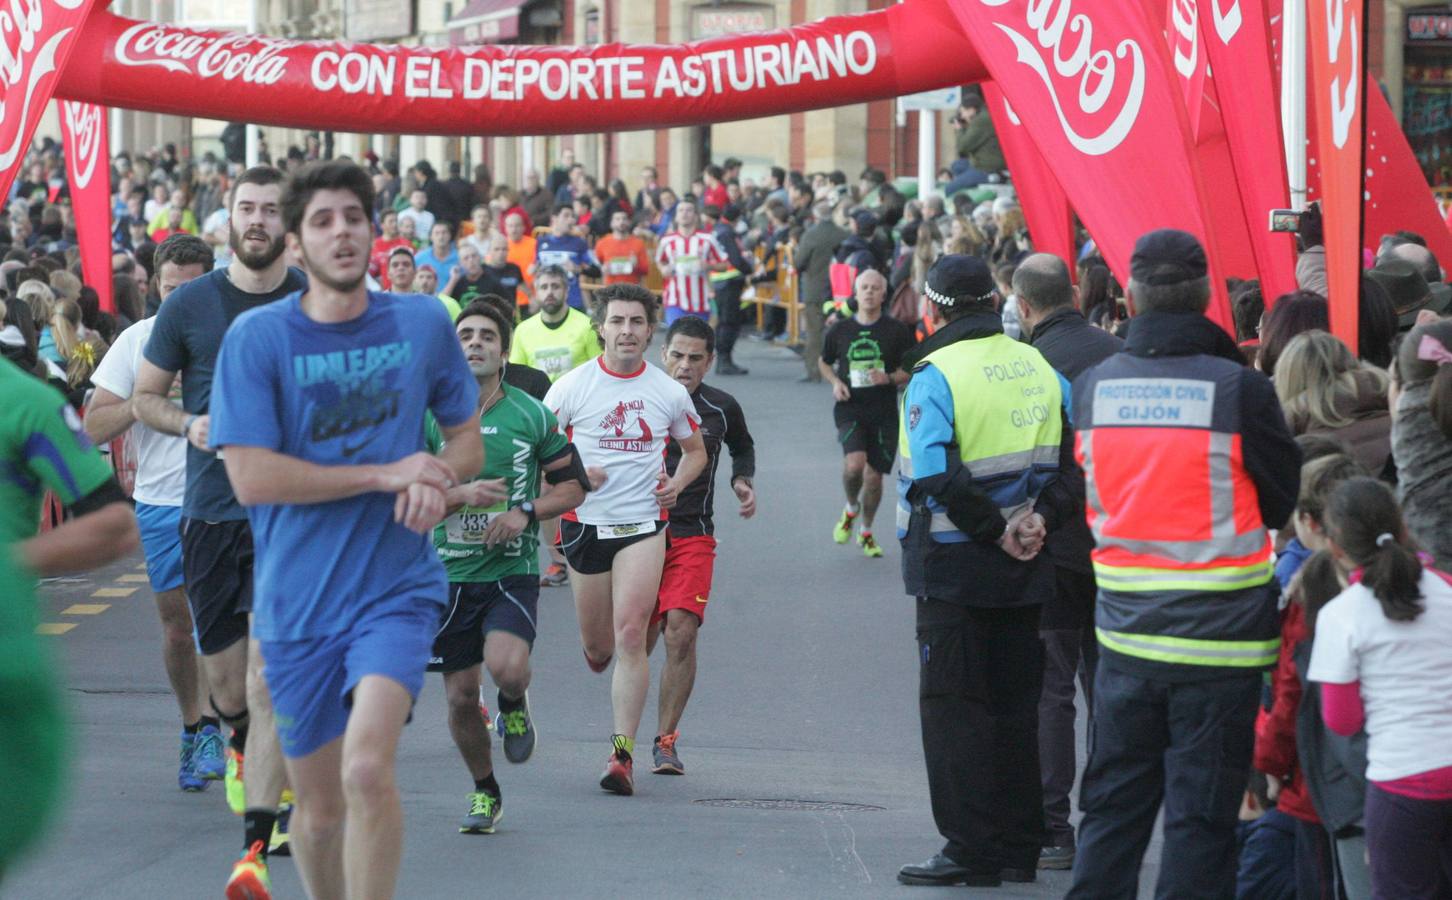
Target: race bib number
{"x": 553, "y": 361}
{"x": 620, "y": 265}
{"x": 555, "y": 257}
{"x": 687, "y": 265}
{"x": 468, "y": 524}
{"x": 859, "y": 374}
{"x": 612, "y": 532}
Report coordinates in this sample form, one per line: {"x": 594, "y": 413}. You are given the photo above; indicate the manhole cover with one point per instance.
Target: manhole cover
{"x": 807, "y": 805}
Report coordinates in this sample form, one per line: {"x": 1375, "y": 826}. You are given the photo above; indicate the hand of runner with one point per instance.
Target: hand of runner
{"x": 419, "y": 507}
{"x": 482, "y": 492}
{"x": 199, "y": 433}
{"x": 841, "y": 392}
{"x": 417, "y": 468}
{"x": 597, "y": 477}
{"x": 747, "y": 495}
{"x": 879, "y": 377}
{"x": 666, "y": 491}
{"x": 505, "y": 527}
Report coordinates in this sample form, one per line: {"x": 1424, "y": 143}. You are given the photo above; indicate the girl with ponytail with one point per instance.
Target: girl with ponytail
{"x": 1383, "y": 656}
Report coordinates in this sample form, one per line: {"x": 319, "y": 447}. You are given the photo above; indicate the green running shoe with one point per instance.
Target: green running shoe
{"x": 869, "y": 545}
{"x": 485, "y": 811}
{"x": 842, "y": 533}
{"x": 516, "y": 729}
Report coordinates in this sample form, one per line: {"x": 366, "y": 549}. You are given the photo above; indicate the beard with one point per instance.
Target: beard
{"x": 255, "y": 260}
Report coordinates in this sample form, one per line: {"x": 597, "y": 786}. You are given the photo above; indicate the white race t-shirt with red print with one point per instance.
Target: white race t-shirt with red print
{"x": 689, "y": 256}
{"x": 621, "y": 423}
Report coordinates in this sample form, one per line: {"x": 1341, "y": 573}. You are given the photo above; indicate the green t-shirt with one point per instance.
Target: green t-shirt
{"x": 555, "y": 351}
{"x": 42, "y": 447}
{"x": 520, "y": 435}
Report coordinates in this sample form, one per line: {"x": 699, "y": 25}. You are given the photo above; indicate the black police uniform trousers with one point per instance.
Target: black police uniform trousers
{"x": 981, "y": 674}
{"x": 729, "y": 314}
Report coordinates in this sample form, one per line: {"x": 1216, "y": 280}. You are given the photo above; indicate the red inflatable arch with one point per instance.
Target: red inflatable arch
{"x": 517, "y": 90}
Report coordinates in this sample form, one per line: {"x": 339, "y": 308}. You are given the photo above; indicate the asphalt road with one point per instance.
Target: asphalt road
{"x": 806, "y": 692}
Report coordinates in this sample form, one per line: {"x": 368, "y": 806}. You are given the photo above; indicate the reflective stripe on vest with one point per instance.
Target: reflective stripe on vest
{"x": 1006, "y": 422}
{"x": 1227, "y": 560}
{"x": 1192, "y": 651}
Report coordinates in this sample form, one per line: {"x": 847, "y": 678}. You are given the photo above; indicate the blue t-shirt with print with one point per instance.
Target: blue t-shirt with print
{"x": 345, "y": 393}
{"x": 554, "y": 249}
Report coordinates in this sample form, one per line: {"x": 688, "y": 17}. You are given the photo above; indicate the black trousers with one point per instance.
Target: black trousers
{"x": 1187, "y": 745}
{"x": 1068, "y": 653}
{"x": 982, "y": 670}
{"x": 728, "y": 315}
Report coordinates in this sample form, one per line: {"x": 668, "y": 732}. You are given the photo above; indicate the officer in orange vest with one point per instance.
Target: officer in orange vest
{"x": 1187, "y": 462}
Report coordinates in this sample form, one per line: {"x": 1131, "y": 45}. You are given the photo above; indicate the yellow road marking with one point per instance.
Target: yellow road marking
{"x": 113, "y": 592}
{"x": 54, "y": 627}
{"x": 85, "y": 609}
{"x": 133, "y": 579}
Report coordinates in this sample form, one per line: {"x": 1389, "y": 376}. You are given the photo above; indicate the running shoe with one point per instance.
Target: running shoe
{"x": 619, "y": 777}
{"x": 666, "y": 760}
{"x": 186, "y": 772}
{"x": 485, "y": 811}
{"x": 249, "y": 879}
{"x": 842, "y": 533}
{"x": 554, "y": 576}
{"x": 236, "y": 796}
{"x": 869, "y": 545}
{"x": 210, "y": 756}
{"x": 516, "y": 729}
{"x": 281, "y": 842}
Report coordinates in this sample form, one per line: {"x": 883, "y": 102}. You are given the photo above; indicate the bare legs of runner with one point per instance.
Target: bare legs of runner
{"x": 347, "y": 829}
{"x": 179, "y": 655}
{"x": 507, "y": 656}
{"x": 678, "y": 676}
{"x": 264, "y": 776}
{"x": 863, "y": 485}
{"x": 614, "y": 610}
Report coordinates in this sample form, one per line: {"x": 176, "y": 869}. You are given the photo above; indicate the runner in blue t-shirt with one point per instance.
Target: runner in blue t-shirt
{"x": 319, "y": 403}
{"x": 563, "y": 248}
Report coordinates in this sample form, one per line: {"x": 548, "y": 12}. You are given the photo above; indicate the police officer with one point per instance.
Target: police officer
{"x": 1187, "y": 460}
{"x": 983, "y": 441}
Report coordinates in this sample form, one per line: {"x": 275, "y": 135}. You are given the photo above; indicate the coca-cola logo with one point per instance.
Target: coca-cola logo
{"x": 1185, "y": 36}
{"x": 85, "y": 123}
{"x": 244, "y": 58}
{"x": 1098, "y": 73}
{"x": 1227, "y": 19}
{"x": 1346, "y": 81}
{"x": 22, "y": 25}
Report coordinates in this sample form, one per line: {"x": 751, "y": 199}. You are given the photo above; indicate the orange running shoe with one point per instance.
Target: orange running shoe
{"x": 249, "y": 879}
{"x": 619, "y": 777}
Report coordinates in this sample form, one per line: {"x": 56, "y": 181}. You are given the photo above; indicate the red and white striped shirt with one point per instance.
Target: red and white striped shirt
{"x": 689, "y": 256}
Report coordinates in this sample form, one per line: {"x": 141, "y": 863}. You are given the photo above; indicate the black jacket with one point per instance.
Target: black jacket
{"x": 1071, "y": 345}
{"x": 1270, "y": 454}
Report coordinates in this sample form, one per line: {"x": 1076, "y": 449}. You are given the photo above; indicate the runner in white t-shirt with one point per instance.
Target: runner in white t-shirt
{"x": 620, "y": 412}
{"x": 161, "y": 472}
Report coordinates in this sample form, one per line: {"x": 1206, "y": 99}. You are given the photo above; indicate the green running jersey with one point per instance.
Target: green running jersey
{"x": 554, "y": 351}
{"x": 42, "y": 447}
{"x": 520, "y": 434}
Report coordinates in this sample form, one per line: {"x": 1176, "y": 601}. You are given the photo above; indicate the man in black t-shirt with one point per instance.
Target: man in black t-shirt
{"x": 862, "y": 360}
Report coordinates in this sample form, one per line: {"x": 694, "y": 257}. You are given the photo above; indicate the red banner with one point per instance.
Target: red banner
{"x": 1101, "y": 100}
{"x": 1045, "y": 205}
{"x": 518, "y": 89}
{"x": 1236, "y": 36}
{"x": 1335, "y": 46}
{"x": 88, "y": 173}
{"x": 36, "y": 39}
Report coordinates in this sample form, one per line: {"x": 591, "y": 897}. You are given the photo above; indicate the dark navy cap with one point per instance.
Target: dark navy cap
{"x": 1167, "y": 256}
{"x": 959, "y": 278}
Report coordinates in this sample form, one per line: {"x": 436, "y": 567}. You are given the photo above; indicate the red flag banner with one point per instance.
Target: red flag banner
{"x": 1045, "y": 205}
{"x": 1237, "y": 40}
{"x": 36, "y": 38}
{"x": 1335, "y": 46}
{"x": 88, "y": 172}
{"x": 1101, "y": 100}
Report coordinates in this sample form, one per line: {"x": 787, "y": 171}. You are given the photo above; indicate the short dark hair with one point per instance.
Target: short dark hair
{"x": 1042, "y": 281}
{"x": 491, "y": 312}
{"x": 1289, "y": 316}
{"x": 1191, "y": 295}
{"x": 692, "y": 327}
{"x": 258, "y": 175}
{"x": 1247, "y": 305}
{"x": 552, "y": 271}
{"x": 401, "y": 250}
{"x": 325, "y": 175}
{"x": 563, "y": 207}
{"x": 626, "y": 293}
{"x": 183, "y": 250}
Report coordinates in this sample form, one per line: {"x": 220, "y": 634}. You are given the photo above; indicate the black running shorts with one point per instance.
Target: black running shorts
{"x": 591, "y": 549}
{"x": 217, "y": 565}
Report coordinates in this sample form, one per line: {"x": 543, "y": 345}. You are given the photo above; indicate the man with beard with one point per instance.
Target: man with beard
{"x": 319, "y": 404}
{"x": 490, "y": 548}
{"x": 216, "y": 539}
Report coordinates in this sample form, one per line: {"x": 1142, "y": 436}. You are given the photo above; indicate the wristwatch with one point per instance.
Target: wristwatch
{"x": 528, "y": 508}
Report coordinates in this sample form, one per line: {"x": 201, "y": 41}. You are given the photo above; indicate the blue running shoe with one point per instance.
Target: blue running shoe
{"x": 186, "y": 773}
{"x": 210, "y": 760}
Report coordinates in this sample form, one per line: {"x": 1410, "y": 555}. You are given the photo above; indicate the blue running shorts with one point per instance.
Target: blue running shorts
{"x": 160, "y": 528}
{"x": 312, "y": 679}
